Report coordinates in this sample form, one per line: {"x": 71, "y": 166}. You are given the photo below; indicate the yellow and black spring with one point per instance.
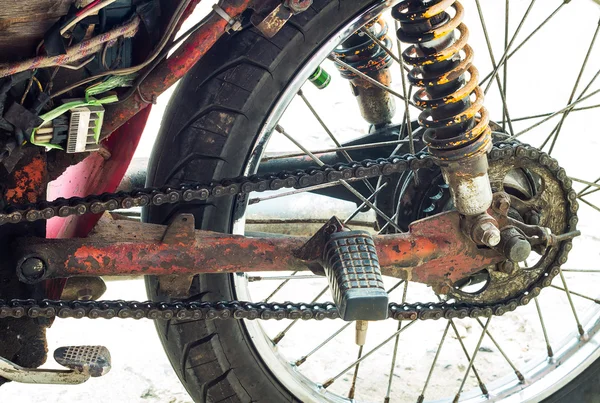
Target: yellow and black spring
{"x": 456, "y": 123}
{"x": 364, "y": 54}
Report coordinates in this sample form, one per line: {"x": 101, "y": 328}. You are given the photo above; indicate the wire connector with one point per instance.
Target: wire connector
{"x": 232, "y": 23}
{"x": 84, "y": 128}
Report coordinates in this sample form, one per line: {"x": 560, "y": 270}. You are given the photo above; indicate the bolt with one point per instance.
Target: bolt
{"x": 507, "y": 267}
{"x": 33, "y": 268}
{"x": 532, "y": 218}
{"x": 487, "y": 234}
{"x": 298, "y": 6}
{"x": 502, "y": 203}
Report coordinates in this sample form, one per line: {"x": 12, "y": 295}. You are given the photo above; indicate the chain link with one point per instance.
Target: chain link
{"x": 509, "y": 151}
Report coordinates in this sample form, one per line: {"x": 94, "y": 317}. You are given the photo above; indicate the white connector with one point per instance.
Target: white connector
{"x": 84, "y": 129}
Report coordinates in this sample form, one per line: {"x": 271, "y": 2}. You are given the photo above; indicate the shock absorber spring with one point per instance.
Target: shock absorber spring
{"x": 365, "y": 55}
{"x": 456, "y": 123}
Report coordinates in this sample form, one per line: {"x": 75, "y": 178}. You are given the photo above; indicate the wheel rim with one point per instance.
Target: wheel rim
{"x": 543, "y": 376}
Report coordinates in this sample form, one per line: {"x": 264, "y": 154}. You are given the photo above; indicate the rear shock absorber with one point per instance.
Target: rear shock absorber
{"x": 456, "y": 123}
{"x": 377, "y": 106}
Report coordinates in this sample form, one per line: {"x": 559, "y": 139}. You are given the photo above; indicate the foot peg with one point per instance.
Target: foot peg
{"x": 94, "y": 360}
{"x": 84, "y": 362}
{"x": 352, "y": 267}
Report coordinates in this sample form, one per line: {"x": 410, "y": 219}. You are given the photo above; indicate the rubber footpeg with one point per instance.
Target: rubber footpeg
{"x": 352, "y": 268}
{"x": 94, "y": 360}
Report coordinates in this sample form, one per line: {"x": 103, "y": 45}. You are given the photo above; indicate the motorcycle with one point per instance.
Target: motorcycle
{"x": 445, "y": 197}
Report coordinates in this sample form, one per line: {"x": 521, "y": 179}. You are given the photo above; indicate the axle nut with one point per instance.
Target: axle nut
{"x": 517, "y": 249}
{"x": 514, "y": 245}
{"x": 33, "y": 268}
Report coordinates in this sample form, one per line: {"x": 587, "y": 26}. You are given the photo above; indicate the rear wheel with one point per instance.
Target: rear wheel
{"x": 218, "y": 125}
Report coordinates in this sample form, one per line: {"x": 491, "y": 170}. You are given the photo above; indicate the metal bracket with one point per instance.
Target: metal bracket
{"x": 232, "y": 23}
{"x": 181, "y": 230}
{"x": 276, "y": 19}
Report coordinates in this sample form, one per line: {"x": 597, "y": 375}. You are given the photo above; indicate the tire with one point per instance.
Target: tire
{"x": 207, "y": 132}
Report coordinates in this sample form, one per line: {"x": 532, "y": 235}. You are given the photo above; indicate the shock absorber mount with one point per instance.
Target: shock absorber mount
{"x": 377, "y": 106}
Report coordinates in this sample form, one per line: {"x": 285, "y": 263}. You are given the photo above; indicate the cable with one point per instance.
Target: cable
{"x": 90, "y": 9}
{"x": 134, "y": 69}
{"x": 164, "y": 53}
{"x": 74, "y": 53}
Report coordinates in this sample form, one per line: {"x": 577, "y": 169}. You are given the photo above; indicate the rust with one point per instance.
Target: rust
{"x": 29, "y": 182}
{"x": 434, "y": 252}
{"x": 273, "y": 22}
{"x": 169, "y": 71}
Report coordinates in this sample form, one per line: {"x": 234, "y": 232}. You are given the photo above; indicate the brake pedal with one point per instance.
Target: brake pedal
{"x": 352, "y": 267}
{"x": 84, "y": 362}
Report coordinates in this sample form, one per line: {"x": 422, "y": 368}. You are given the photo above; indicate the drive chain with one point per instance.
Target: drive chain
{"x": 508, "y": 152}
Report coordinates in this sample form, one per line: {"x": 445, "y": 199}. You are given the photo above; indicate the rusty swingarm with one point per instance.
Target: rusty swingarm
{"x": 436, "y": 251}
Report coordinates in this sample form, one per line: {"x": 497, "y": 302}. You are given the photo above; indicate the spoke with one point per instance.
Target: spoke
{"x": 539, "y": 311}
{"x": 505, "y": 73}
{"x": 382, "y": 46}
{"x": 501, "y": 89}
{"x": 297, "y": 191}
{"x": 589, "y": 204}
{"x": 282, "y": 334}
{"x": 370, "y": 79}
{"x": 543, "y": 115}
{"x": 583, "y": 66}
{"x": 514, "y": 368}
{"x": 279, "y": 287}
{"x": 505, "y": 54}
{"x": 343, "y": 182}
{"x": 566, "y": 290}
{"x": 406, "y": 100}
{"x": 363, "y": 205}
{"x": 505, "y": 57}
{"x": 291, "y": 277}
{"x": 437, "y": 354}
{"x": 302, "y": 359}
{"x": 567, "y": 108}
{"x": 577, "y": 294}
{"x": 588, "y": 183}
{"x": 364, "y": 357}
{"x": 331, "y": 136}
{"x": 482, "y": 386}
{"x": 581, "y": 271}
{"x": 589, "y": 186}
{"x": 588, "y": 192}
{"x": 462, "y": 384}
{"x": 395, "y": 352}
{"x": 355, "y": 376}
{"x": 386, "y": 225}
{"x": 338, "y": 149}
